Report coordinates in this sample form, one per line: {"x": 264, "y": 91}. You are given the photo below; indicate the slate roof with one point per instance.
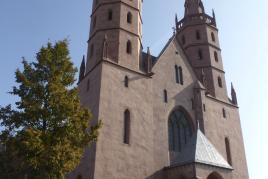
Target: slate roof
{"x": 200, "y": 150}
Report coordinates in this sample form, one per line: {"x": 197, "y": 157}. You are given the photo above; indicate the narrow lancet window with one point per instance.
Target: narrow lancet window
{"x": 129, "y": 17}
{"x": 126, "y": 81}
{"x": 129, "y": 47}
{"x": 200, "y": 54}
{"x": 110, "y": 15}
{"x": 165, "y": 96}
{"x": 127, "y": 127}
{"x": 220, "y": 82}
{"x": 228, "y": 151}
{"x": 179, "y": 75}
{"x": 198, "y": 37}
{"x": 216, "y": 56}
{"x": 213, "y": 37}
{"x": 224, "y": 113}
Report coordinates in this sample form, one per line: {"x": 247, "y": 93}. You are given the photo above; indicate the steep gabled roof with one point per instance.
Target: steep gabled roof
{"x": 200, "y": 150}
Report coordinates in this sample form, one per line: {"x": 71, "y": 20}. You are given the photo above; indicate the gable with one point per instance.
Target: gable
{"x": 170, "y": 56}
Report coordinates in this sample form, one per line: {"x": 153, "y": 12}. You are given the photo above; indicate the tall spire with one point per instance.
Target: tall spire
{"x": 82, "y": 69}
{"x": 233, "y": 94}
{"x": 148, "y": 61}
{"x": 193, "y": 7}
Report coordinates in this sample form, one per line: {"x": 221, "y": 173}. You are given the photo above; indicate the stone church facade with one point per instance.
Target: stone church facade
{"x": 164, "y": 117}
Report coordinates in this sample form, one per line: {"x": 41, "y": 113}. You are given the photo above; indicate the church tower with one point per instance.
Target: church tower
{"x": 116, "y": 87}
{"x": 115, "y": 33}
{"x": 198, "y": 35}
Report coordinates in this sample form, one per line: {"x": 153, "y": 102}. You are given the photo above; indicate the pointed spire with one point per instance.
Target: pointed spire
{"x": 203, "y": 77}
{"x": 214, "y": 17}
{"x": 176, "y": 21}
{"x": 233, "y": 94}
{"x": 105, "y": 47}
{"x": 148, "y": 61}
{"x": 82, "y": 69}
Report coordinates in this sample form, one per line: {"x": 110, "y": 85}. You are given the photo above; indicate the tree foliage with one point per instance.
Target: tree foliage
{"x": 45, "y": 135}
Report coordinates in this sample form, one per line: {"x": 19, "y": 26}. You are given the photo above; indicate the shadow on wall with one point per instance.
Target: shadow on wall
{"x": 157, "y": 175}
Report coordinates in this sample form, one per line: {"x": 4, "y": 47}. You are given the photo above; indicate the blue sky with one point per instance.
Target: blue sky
{"x": 243, "y": 27}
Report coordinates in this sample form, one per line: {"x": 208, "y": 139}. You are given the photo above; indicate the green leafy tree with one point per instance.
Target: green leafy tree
{"x": 45, "y": 136}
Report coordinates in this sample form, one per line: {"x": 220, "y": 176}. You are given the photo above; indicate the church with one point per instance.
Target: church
{"x": 164, "y": 117}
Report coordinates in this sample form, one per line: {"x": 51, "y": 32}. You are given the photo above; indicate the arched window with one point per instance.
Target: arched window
{"x": 165, "y": 96}
{"x": 181, "y": 75}
{"x": 228, "y": 151}
{"x": 198, "y": 37}
{"x": 110, "y": 15}
{"x": 126, "y": 81}
{"x": 216, "y": 56}
{"x": 126, "y": 126}
{"x": 129, "y": 17}
{"x": 129, "y": 47}
{"x": 177, "y": 74}
{"x": 214, "y": 175}
{"x": 213, "y": 37}
{"x": 200, "y": 54}
{"x": 223, "y": 113}
{"x": 220, "y": 82}
{"x": 179, "y": 130}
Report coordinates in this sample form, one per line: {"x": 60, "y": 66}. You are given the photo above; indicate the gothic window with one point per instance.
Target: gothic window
{"x": 216, "y": 56}
{"x": 200, "y": 54}
{"x": 214, "y": 175}
{"x": 126, "y": 81}
{"x": 179, "y": 75}
{"x": 129, "y": 17}
{"x": 204, "y": 107}
{"x": 220, "y": 82}
{"x": 223, "y": 113}
{"x": 198, "y": 37}
{"x": 126, "y": 126}
{"x": 129, "y": 47}
{"x": 165, "y": 96}
{"x": 213, "y": 37}
{"x": 110, "y": 15}
{"x": 179, "y": 130}
{"x": 228, "y": 151}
